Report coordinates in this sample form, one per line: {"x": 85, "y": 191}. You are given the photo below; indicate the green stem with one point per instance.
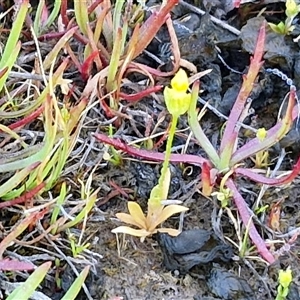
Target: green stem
{"x": 54, "y": 13}
{"x": 197, "y": 129}
{"x": 168, "y": 152}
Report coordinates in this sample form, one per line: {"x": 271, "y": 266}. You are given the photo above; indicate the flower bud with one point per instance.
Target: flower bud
{"x": 177, "y": 99}
{"x": 285, "y": 277}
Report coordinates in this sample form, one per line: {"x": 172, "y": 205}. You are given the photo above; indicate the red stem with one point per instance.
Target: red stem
{"x": 152, "y": 25}
{"x": 27, "y": 119}
{"x": 26, "y": 196}
{"x": 152, "y": 156}
{"x": 86, "y": 67}
{"x": 138, "y": 96}
{"x": 63, "y": 12}
{"x": 270, "y": 181}
{"x": 248, "y": 223}
{"x": 231, "y": 132}
{"x": 94, "y": 5}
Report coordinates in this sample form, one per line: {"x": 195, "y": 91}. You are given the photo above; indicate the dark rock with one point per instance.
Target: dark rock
{"x": 191, "y": 248}
{"x": 294, "y": 292}
{"x": 228, "y": 286}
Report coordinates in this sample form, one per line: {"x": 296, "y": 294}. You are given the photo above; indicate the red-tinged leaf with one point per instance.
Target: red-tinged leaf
{"x": 45, "y": 15}
{"x": 26, "y": 120}
{"x": 243, "y": 210}
{"x": 274, "y": 134}
{"x": 287, "y": 121}
{"x": 152, "y": 156}
{"x": 94, "y": 5}
{"x": 259, "y": 49}
{"x": 152, "y": 25}
{"x": 230, "y": 133}
{"x": 87, "y": 65}
{"x": 25, "y": 197}
{"x": 3, "y": 72}
{"x": 142, "y": 94}
{"x": 50, "y": 36}
{"x": 63, "y": 12}
{"x": 107, "y": 110}
{"x": 110, "y": 113}
{"x": 15, "y": 265}
{"x": 207, "y": 186}
{"x": 296, "y": 112}
{"x": 16, "y": 231}
{"x": 274, "y": 216}
{"x": 270, "y": 181}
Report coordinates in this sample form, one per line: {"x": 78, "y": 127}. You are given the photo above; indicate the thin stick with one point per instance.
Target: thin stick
{"x": 214, "y": 19}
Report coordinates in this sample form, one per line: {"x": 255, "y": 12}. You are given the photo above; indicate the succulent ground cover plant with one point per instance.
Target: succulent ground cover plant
{"x": 223, "y": 165}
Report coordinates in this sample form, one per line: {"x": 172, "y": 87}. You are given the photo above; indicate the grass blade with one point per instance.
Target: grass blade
{"x": 12, "y": 46}
{"x": 25, "y": 290}
{"x": 77, "y": 285}
{"x": 19, "y": 229}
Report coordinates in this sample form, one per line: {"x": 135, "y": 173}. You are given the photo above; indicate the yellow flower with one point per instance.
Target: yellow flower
{"x": 292, "y": 9}
{"x": 156, "y": 215}
{"x": 177, "y": 99}
{"x": 261, "y": 134}
{"x": 285, "y": 277}
{"x": 147, "y": 224}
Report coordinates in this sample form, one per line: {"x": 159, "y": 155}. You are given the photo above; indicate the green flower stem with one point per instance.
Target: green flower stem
{"x": 168, "y": 152}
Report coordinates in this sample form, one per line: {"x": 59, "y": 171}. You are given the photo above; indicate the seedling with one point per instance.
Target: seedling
{"x": 291, "y": 12}
{"x": 114, "y": 157}
{"x": 261, "y": 157}
{"x": 75, "y": 247}
{"x": 284, "y": 278}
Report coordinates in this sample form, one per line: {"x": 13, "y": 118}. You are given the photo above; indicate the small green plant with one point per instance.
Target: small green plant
{"x": 284, "y": 278}
{"x": 291, "y": 11}
{"x": 13, "y": 45}
{"x": 261, "y": 157}
{"x": 224, "y": 195}
{"x": 75, "y": 247}
{"x": 114, "y": 157}
{"x": 177, "y": 101}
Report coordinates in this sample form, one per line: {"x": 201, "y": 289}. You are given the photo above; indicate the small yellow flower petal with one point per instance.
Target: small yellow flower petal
{"x": 131, "y": 231}
{"x": 136, "y": 212}
{"x": 170, "y": 231}
{"x": 167, "y": 212}
{"x": 180, "y": 82}
{"x": 127, "y": 218}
